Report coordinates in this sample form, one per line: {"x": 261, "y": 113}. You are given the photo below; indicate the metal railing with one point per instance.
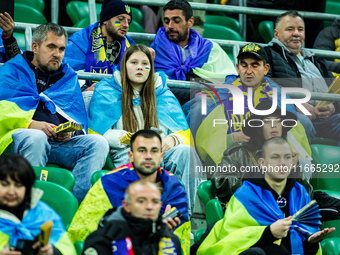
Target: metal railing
{"x": 150, "y": 38}
{"x": 195, "y": 85}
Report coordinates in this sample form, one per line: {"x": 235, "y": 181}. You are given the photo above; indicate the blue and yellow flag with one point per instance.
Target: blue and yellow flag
{"x": 19, "y": 98}
{"x": 106, "y": 108}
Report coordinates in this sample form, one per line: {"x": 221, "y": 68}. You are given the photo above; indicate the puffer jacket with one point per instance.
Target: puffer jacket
{"x": 329, "y": 39}
{"x": 282, "y": 65}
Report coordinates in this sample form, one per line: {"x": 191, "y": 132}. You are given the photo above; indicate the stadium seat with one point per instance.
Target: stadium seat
{"x": 331, "y": 224}
{"x": 79, "y": 246}
{"x": 78, "y": 10}
{"x": 206, "y": 192}
{"x": 27, "y": 14}
{"x": 328, "y": 177}
{"x": 266, "y": 30}
{"x": 37, "y": 4}
{"x": 213, "y": 211}
{"x": 20, "y": 37}
{"x": 137, "y": 15}
{"x": 60, "y": 199}
{"x": 198, "y": 234}
{"x": 332, "y": 7}
{"x": 326, "y": 141}
{"x": 330, "y": 246}
{"x": 325, "y": 154}
{"x": 223, "y": 21}
{"x": 57, "y": 175}
{"x": 109, "y": 164}
{"x": 97, "y": 175}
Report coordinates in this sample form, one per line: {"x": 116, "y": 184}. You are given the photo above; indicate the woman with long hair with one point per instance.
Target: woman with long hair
{"x": 137, "y": 98}
{"x": 22, "y": 213}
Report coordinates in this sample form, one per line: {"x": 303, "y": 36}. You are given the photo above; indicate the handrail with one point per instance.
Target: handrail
{"x": 194, "y": 85}
{"x": 150, "y": 38}
{"x": 238, "y": 9}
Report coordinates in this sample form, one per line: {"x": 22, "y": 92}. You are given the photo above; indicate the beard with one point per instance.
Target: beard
{"x": 113, "y": 32}
{"x": 180, "y": 37}
{"x": 145, "y": 171}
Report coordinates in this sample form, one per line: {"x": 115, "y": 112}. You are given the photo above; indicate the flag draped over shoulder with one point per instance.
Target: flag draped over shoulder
{"x": 206, "y": 60}
{"x": 85, "y": 50}
{"x": 106, "y": 108}
{"x": 214, "y": 143}
{"x": 246, "y": 218}
{"x": 108, "y": 192}
{"x": 12, "y": 229}
{"x": 19, "y": 98}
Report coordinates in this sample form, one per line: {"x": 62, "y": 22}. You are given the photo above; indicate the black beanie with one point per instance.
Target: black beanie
{"x": 112, "y": 8}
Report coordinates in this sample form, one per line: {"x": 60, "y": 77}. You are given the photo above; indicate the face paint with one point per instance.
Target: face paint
{"x": 147, "y": 69}
{"x": 117, "y": 23}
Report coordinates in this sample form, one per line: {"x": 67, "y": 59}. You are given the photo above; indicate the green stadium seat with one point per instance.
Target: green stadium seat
{"x": 57, "y": 175}
{"x": 332, "y": 7}
{"x": 108, "y": 164}
{"x": 20, "y": 37}
{"x": 223, "y": 21}
{"x": 60, "y": 199}
{"x": 198, "y": 234}
{"x": 328, "y": 177}
{"x": 97, "y": 175}
{"x": 137, "y": 15}
{"x": 78, "y": 11}
{"x": 326, "y": 141}
{"x": 206, "y": 191}
{"x": 27, "y": 14}
{"x": 213, "y": 211}
{"x": 79, "y": 246}
{"x": 37, "y": 4}
{"x": 266, "y": 30}
{"x": 331, "y": 224}
{"x": 325, "y": 154}
{"x": 330, "y": 246}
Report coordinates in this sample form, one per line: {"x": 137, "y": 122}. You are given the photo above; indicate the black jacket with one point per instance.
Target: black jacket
{"x": 328, "y": 39}
{"x": 282, "y": 65}
{"x": 118, "y": 227}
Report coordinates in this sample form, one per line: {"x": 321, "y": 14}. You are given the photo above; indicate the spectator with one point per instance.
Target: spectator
{"x": 288, "y": 59}
{"x": 22, "y": 213}
{"x": 252, "y": 67}
{"x": 100, "y": 47}
{"x": 253, "y": 224}
{"x": 39, "y": 93}
{"x": 8, "y": 46}
{"x": 247, "y": 154}
{"x": 136, "y": 226}
{"x": 137, "y": 98}
{"x": 327, "y": 40}
{"x": 183, "y": 54}
{"x": 145, "y": 157}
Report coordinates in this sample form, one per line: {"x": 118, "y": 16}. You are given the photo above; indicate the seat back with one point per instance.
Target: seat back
{"x": 97, "y": 175}
{"x": 325, "y": 154}
{"x": 37, "y": 4}
{"x": 322, "y": 140}
{"x": 57, "y": 175}
{"x": 223, "y": 21}
{"x": 330, "y": 246}
{"x": 266, "y": 30}
{"x": 137, "y": 15}
{"x": 60, "y": 199}
{"x": 332, "y": 7}
{"x": 78, "y": 10}
{"x": 326, "y": 176}
{"x": 206, "y": 191}
{"x": 27, "y": 14}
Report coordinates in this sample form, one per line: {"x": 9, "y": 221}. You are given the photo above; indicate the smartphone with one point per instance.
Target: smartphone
{"x": 172, "y": 213}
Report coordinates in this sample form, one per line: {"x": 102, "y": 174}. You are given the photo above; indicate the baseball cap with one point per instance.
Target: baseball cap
{"x": 253, "y": 49}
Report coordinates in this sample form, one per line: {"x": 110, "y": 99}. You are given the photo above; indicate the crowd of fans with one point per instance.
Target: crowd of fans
{"x": 158, "y": 138}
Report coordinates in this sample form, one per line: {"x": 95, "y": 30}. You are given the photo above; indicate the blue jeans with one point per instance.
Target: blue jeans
{"x": 83, "y": 154}
{"x": 330, "y": 128}
{"x": 181, "y": 161}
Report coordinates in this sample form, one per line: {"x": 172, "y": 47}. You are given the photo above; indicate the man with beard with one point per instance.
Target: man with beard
{"x": 134, "y": 227}
{"x": 183, "y": 54}
{"x": 108, "y": 192}
{"x": 38, "y": 93}
{"x": 100, "y": 47}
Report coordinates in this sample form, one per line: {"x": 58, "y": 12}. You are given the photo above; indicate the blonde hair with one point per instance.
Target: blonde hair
{"x": 147, "y": 94}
